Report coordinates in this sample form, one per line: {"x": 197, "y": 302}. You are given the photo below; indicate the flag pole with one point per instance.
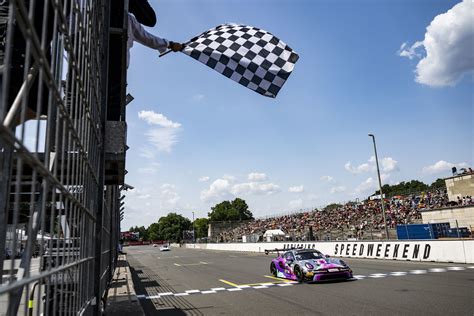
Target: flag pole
{"x": 165, "y": 53}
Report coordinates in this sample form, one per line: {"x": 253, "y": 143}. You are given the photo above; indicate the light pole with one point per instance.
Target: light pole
{"x": 380, "y": 186}
{"x": 194, "y": 236}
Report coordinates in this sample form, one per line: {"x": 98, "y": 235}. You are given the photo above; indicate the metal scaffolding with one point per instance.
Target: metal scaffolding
{"x": 62, "y": 166}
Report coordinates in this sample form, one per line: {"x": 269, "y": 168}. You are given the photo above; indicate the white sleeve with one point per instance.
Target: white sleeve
{"x": 141, "y": 36}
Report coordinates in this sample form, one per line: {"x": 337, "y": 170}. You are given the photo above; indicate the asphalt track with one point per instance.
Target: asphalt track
{"x": 206, "y": 282}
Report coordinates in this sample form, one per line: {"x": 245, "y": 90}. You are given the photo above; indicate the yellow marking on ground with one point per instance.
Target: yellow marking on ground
{"x": 228, "y": 282}
{"x": 177, "y": 264}
{"x": 275, "y": 278}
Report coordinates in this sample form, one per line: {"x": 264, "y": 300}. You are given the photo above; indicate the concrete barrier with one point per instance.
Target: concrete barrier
{"x": 459, "y": 251}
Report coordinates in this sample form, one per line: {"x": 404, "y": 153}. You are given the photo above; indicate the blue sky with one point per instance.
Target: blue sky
{"x": 208, "y": 139}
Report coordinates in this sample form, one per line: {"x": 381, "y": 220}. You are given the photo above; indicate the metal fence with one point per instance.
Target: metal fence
{"x": 59, "y": 187}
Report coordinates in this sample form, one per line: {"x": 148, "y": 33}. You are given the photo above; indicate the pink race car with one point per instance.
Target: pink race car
{"x": 308, "y": 265}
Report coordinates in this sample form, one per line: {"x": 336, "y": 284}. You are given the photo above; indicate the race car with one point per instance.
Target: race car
{"x": 164, "y": 248}
{"x": 307, "y": 265}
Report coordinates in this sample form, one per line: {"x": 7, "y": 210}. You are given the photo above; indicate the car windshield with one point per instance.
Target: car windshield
{"x": 309, "y": 255}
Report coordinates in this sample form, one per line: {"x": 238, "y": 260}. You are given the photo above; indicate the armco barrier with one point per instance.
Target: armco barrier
{"x": 459, "y": 251}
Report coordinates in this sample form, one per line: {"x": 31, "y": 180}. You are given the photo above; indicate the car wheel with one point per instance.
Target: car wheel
{"x": 299, "y": 274}
{"x": 273, "y": 269}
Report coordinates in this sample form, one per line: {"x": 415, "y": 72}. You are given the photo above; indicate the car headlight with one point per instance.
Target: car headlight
{"x": 309, "y": 266}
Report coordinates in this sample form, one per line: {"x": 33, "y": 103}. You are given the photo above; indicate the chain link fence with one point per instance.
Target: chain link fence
{"x": 59, "y": 186}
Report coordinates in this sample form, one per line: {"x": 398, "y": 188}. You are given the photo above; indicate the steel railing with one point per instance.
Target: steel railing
{"x": 59, "y": 215}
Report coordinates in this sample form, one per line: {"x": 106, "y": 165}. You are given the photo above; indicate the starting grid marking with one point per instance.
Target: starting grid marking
{"x": 285, "y": 283}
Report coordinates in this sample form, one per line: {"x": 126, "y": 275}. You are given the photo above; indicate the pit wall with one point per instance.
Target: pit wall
{"x": 459, "y": 251}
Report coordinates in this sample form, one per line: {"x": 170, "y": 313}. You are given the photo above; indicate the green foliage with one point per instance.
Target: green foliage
{"x": 411, "y": 187}
{"x": 154, "y": 232}
{"x": 142, "y": 231}
{"x": 171, "y": 227}
{"x": 230, "y": 211}
{"x": 200, "y": 227}
{"x": 439, "y": 184}
{"x": 331, "y": 207}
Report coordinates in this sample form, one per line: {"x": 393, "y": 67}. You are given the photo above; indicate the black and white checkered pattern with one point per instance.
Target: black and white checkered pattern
{"x": 253, "y": 57}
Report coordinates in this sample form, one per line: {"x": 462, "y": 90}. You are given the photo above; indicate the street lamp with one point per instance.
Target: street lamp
{"x": 194, "y": 234}
{"x": 380, "y": 186}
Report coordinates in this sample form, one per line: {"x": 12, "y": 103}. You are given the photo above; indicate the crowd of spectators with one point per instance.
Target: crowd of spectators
{"x": 356, "y": 219}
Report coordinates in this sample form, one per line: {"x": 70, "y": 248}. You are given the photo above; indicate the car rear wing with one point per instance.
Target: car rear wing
{"x": 267, "y": 251}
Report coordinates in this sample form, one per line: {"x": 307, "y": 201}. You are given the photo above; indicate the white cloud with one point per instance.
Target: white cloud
{"x": 256, "y": 176}
{"x": 147, "y": 153}
{"x": 163, "y": 139}
{"x": 448, "y": 47}
{"x": 368, "y": 184}
{"x": 136, "y": 194}
{"x": 169, "y": 198}
{"x": 365, "y": 167}
{"x": 442, "y": 166}
{"x": 337, "y": 189}
{"x": 371, "y": 184}
{"x": 295, "y": 204}
{"x": 228, "y": 187}
{"x": 219, "y": 189}
{"x": 254, "y": 188}
{"x": 153, "y": 118}
{"x": 387, "y": 164}
{"x": 410, "y": 51}
{"x": 203, "y": 179}
{"x": 296, "y": 189}
{"x": 327, "y": 178}
{"x": 199, "y": 97}
{"x": 151, "y": 169}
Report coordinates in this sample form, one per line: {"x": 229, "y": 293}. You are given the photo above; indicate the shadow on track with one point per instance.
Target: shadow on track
{"x": 146, "y": 284}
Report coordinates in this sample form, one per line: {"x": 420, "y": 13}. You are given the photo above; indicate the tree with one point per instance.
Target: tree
{"x": 439, "y": 184}
{"x": 331, "y": 207}
{"x": 403, "y": 188}
{"x": 230, "y": 211}
{"x": 154, "y": 232}
{"x": 142, "y": 231}
{"x": 200, "y": 227}
{"x": 171, "y": 227}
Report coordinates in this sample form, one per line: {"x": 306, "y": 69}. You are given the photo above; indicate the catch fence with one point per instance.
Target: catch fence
{"x": 61, "y": 162}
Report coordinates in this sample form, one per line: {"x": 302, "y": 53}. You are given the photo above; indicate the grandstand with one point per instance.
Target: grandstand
{"x": 352, "y": 220}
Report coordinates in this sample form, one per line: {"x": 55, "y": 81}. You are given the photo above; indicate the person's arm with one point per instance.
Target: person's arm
{"x": 141, "y": 36}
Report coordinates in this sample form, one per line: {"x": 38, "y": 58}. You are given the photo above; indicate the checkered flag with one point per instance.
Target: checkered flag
{"x": 253, "y": 57}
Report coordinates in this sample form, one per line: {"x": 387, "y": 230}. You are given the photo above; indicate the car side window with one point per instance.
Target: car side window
{"x": 289, "y": 255}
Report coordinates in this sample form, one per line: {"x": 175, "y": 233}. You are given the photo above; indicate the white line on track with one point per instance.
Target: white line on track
{"x": 456, "y": 268}
{"x": 192, "y": 291}
{"x": 218, "y": 289}
{"x": 378, "y": 275}
{"x": 291, "y": 283}
{"x": 398, "y": 273}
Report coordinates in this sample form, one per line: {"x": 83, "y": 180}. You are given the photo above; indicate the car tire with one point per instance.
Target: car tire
{"x": 299, "y": 274}
{"x": 273, "y": 269}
